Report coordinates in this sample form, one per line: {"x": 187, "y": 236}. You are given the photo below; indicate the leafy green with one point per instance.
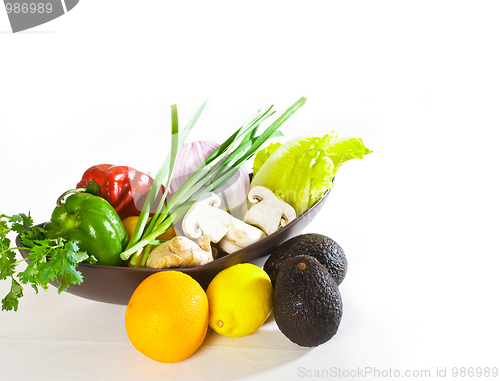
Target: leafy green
{"x": 263, "y": 155}
{"x": 302, "y": 170}
{"x": 48, "y": 260}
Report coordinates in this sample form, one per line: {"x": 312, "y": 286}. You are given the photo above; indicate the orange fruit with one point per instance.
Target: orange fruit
{"x": 167, "y": 316}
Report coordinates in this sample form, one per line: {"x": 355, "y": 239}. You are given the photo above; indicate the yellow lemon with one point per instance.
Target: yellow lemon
{"x": 240, "y": 300}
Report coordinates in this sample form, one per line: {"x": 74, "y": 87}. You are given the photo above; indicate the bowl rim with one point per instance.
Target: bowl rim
{"x": 215, "y": 262}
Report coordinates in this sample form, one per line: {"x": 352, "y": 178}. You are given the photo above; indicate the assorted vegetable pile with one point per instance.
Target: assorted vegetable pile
{"x": 200, "y": 206}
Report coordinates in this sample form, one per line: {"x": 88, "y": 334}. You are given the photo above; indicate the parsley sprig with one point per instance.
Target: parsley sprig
{"x": 48, "y": 260}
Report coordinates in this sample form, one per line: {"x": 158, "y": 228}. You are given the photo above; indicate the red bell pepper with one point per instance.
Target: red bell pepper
{"x": 123, "y": 187}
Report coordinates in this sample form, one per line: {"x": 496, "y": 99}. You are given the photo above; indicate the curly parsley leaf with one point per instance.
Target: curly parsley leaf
{"x": 67, "y": 270}
{"x": 11, "y": 302}
{"x": 21, "y": 222}
{"x": 49, "y": 260}
{"x": 4, "y": 228}
{"x": 62, "y": 265}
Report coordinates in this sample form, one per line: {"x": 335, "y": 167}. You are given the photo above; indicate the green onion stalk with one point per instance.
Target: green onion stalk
{"x": 217, "y": 169}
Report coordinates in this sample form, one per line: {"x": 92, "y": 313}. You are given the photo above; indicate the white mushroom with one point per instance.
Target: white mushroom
{"x": 239, "y": 236}
{"x": 204, "y": 217}
{"x": 181, "y": 252}
{"x": 269, "y": 212}
{"x": 228, "y": 247}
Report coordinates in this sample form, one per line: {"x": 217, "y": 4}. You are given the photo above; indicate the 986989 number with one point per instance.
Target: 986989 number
{"x": 474, "y": 372}
{"x": 28, "y": 7}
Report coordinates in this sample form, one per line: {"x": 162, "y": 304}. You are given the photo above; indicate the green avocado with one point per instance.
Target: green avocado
{"x": 307, "y": 302}
{"x": 323, "y": 248}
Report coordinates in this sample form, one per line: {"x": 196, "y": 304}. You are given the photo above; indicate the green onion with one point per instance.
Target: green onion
{"x": 209, "y": 176}
{"x": 166, "y": 169}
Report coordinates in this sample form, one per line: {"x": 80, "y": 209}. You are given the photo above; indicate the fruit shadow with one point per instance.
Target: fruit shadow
{"x": 263, "y": 350}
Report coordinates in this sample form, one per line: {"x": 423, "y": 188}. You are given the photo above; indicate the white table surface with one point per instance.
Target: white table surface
{"x": 418, "y": 218}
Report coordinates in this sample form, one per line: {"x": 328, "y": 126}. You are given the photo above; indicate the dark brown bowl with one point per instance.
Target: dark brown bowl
{"x": 116, "y": 285}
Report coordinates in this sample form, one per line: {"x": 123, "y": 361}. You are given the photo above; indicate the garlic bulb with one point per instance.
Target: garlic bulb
{"x": 191, "y": 155}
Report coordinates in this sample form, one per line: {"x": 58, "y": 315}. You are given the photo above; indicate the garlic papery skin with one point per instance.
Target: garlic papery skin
{"x": 191, "y": 155}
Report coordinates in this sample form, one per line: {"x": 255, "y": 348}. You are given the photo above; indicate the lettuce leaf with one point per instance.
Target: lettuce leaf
{"x": 264, "y": 154}
{"x": 302, "y": 170}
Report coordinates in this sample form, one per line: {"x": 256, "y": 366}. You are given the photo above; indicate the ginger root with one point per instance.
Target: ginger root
{"x": 181, "y": 252}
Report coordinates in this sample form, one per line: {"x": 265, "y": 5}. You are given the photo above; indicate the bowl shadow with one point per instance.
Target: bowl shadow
{"x": 261, "y": 351}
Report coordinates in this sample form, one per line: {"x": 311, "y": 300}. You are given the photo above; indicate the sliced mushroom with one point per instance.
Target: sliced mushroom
{"x": 269, "y": 212}
{"x": 228, "y": 247}
{"x": 204, "y": 217}
{"x": 181, "y": 252}
{"x": 239, "y": 236}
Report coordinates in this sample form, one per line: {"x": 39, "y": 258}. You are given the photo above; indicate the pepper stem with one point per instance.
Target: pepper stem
{"x": 92, "y": 187}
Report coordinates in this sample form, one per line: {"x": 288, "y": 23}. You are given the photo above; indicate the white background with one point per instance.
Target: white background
{"x": 418, "y": 218}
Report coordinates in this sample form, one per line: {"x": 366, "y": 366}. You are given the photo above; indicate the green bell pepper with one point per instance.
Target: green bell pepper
{"x": 92, "y": 223}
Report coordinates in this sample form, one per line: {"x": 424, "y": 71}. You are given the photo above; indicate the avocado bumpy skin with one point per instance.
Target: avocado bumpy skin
{"x": 323, "y": 248}
{"x": 307, "y": 302}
